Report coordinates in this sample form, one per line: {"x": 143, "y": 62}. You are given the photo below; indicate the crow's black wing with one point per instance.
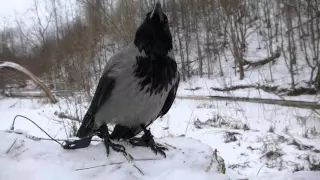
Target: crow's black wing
{"x": 122, "y": 132}
{"x": 102, "y": 93}
{"x": 170, "y": 99}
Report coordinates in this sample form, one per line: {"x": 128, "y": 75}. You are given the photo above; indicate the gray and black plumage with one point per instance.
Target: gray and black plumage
{"x": 138, "y": 85}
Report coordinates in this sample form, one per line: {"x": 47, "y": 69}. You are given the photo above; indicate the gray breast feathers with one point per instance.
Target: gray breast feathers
{"x": 141, "y": 87}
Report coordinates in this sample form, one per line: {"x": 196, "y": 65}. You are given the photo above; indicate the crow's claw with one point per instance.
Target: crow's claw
{"x": 155, "y": 147}
{"x": 158, "y": 148}
{"x": 147, "y": 141}
{"x": 116, "y": 147}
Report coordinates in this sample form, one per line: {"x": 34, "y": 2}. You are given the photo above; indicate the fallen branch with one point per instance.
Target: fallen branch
{"x": 233, "y": 88}
{"x": 273, "y": 89}
{"x": 262, "y": 62}
{"x": 32, "y": 76}
{"x": 240, "y": 165}
{"x": 287, "y": 103}
{"x": 301, "y": 146}
{"x": 66, "y": 116}
{"x": 193, "y": 89}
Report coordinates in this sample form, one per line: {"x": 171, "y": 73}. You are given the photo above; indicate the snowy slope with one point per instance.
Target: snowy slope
{"x": 23, "y": 158}
{"x": 203, "y": 86}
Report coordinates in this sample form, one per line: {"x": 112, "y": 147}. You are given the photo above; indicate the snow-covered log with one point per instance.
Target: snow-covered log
{"x": 25, "y": 71}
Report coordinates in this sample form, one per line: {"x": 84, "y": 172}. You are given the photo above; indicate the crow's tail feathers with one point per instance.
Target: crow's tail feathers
{"x": 87, "y": 125}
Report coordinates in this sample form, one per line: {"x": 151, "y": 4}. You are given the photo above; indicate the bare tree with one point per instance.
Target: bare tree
{"x": 237, "y": 13}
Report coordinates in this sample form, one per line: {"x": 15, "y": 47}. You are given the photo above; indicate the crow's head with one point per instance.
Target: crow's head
{"x": 153, "y": 36}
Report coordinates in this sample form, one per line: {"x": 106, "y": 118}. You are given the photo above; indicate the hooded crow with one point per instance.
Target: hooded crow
{"x": 138, "y": 85}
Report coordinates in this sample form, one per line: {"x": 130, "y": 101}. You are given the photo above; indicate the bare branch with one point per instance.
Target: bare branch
{"x": 17, "y": 67}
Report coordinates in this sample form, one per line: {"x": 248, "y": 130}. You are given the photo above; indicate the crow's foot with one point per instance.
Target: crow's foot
{"x": 147, "y": 141}
{"x": 104, "y": 134}
{"x": 155, "y": 147}
{"x": 116, "y": 147}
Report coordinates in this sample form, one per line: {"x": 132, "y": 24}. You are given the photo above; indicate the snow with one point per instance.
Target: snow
{"x": 250, "y": 146}
{"x": 303, "y": 175}
{"x": 244, "y": 157}
{"x": 47, "y": 160}
{"x": 205, "y": 84}
{"x": 9, "y": 64}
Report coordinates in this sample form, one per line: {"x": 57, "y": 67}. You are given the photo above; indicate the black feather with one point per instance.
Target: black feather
{"x": 102, "y": 93}
{"x": 170, "y": 98}
{"x": 155, "y": 71}
{"x": 154, "y": 36}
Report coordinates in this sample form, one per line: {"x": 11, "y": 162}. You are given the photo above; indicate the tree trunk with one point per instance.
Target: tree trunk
{"x": 317, "y": 79}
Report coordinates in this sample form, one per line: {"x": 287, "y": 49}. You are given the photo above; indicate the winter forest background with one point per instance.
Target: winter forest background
{"x": 68, "y": 43}
{"x": 243, "y": 51}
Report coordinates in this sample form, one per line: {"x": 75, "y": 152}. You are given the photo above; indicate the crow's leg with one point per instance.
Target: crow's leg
{"x": 147, "y": 141}
{"x": 104, "y": 134}
{"x": 77, "y": 144}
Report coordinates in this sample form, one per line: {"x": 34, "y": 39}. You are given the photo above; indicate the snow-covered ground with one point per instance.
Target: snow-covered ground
{"x": 254, "y": 140}
{"x": 189, "y": 88}
{"x": 246, "y": 134}
{"x": 23, "y": 158}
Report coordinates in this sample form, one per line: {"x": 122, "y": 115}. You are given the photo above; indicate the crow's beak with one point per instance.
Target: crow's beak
{"x": 157, "y": 10}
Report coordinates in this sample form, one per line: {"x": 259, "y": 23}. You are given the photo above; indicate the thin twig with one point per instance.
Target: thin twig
{"x": 211, "y": 163}
{"x": 138, "y": 169}
{"x": 317, "y": 16}
{"x": 260, "y": 169}
{"x": 103, "y": 165}
{"x": 185, "y": 133}
{"x": 130, "y": 160}
{"x": 11, "y": 146}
